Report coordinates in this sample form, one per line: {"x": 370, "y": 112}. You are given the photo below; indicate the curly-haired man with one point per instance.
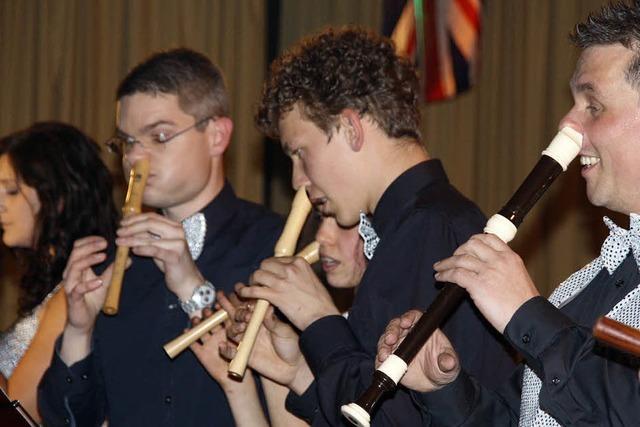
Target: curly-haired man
{"x": 345, "y": 108}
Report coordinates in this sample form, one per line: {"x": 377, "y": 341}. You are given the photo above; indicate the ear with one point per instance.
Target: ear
{"x": 219, "y": 135}
{"x": 351, "y": 124}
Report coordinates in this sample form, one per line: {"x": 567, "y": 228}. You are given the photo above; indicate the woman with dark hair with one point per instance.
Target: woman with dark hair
{"x": 54, "y": 189}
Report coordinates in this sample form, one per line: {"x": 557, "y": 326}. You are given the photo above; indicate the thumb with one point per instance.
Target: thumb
{"x": 270, "y": 320}
{"x": 447, "y": 361}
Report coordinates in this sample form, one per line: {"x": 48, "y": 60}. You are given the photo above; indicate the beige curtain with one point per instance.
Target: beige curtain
{"x": 62, "y": 60}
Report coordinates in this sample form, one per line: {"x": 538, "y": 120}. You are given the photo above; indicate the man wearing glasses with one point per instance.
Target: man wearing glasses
{"x": 173, "y": 110}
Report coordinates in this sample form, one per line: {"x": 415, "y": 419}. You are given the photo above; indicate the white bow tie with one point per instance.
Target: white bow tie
{"x": 195, "y": 229}
{"x": 617, "y": 245}
{"x": 369, "y": 235}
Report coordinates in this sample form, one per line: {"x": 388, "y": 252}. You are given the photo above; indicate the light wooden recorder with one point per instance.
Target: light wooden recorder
{"x": 132, "y": 205}
{"x": 310, "y": 253}
{"x": 285, "y": 246}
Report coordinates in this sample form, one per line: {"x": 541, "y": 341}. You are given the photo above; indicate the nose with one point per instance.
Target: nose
{"x": 326, "y": 234}
{"x": 572, "y": 120}
{"x": 3, "y": 195}
{"x": 132, "y": 155}
{"x": 298, "y": 176}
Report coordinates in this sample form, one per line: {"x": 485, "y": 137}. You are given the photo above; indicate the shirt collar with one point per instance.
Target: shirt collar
{"x": 401, "y": 194}
{"x": 218, "y": 211}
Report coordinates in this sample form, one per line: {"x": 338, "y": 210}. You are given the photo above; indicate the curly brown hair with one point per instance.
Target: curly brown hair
{"x": 338, "y": 69}
{"x": 74, "y": 189}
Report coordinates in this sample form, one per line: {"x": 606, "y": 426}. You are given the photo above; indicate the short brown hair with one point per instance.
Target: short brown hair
{"x": 190, "y": 75}
{"x": 617, "y": 22}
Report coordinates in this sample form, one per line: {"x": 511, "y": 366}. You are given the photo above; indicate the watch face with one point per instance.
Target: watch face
{"x": 203, "y": 296}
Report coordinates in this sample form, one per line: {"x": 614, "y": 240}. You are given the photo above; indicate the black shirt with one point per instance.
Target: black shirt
{"x": 583, "y": 383}
{"x": 127, "y": 377}
{"x": 420, "y": 219}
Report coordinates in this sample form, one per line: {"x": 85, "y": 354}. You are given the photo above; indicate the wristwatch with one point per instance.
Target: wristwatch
{"x": 203, "y": 296}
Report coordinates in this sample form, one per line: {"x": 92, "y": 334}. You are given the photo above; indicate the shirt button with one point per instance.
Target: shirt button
{"x": 69, "y": 380}
{"x": 526, "y": 338}
{"x": 172, "y": 306}
{"x": 167, "y": 400}
{"x": 67, "y": 421}
{"x": 84, "y": 376}
{"x": 555, "y": 381}
{"x": 619, "y": 283}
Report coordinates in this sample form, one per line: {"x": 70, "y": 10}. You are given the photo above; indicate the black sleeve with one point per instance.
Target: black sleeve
{"x": 341, "y": 353}
{"x": 582, "y": 383}
{"x": 465, "y": 402}
{"x": 71, "y": 395}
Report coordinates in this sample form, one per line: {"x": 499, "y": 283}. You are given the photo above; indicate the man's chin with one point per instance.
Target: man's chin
{"x": 347, "y": 221}
{"x": 154, "y": 201}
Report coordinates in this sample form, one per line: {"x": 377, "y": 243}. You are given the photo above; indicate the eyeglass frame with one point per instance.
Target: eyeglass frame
{"x": 115, "y": 143}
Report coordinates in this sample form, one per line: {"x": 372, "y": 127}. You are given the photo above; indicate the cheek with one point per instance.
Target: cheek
{"x": 308, "y": 168}
{"x": 322, "y": 171}
{"x": 23, "y": 222}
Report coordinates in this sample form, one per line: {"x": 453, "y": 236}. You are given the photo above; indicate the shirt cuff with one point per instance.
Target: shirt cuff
{"x": 326, "y": 338}
{"x": 304, "y": 406}
{"x": 534, "y": 327}
{"x": 75, "y": 377}
{"x": 451, "y": 404}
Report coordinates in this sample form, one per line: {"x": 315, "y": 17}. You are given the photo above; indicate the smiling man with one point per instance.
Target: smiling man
{"x": 567, "y": 379}
{"x": 172, "y": 110}
{"x": 345, "y": 108}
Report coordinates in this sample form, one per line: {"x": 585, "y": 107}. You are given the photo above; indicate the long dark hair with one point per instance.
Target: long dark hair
{"x": 74, "y": 188}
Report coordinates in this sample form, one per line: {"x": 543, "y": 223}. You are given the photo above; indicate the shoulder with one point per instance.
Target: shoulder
{"x": 441, "y": 202}
{"x": 259, "y": 216}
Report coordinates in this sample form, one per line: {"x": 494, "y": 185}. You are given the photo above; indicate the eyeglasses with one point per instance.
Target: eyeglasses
{"x": 121, "y": 143}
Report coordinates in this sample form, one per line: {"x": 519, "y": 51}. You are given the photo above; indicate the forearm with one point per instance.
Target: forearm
{"x": 303, "y": 378}
{"x": 245, "y": 403}
{"x": 75, "y": 345}
{"x": 276, "y": 395}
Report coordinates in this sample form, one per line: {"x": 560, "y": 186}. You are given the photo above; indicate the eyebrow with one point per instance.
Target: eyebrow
{"x": 582, "y": 87}
{"x": 147, "y": 128}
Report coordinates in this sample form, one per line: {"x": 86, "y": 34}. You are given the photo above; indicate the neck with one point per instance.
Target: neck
{"x": 210, "y": 191}
{"x": 392, "y": 164}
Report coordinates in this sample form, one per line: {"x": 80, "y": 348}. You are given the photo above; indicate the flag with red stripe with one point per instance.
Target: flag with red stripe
{"x": 443, "y": 38}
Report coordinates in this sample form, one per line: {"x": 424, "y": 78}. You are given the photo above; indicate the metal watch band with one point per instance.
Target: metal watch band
{"x": 203, "y": 296}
